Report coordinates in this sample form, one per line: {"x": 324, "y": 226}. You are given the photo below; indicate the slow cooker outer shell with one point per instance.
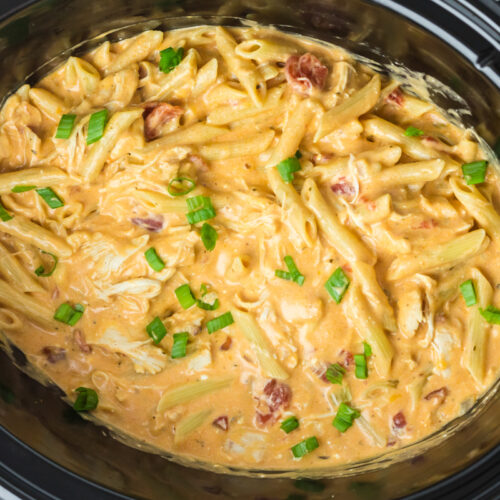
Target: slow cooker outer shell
{"x": 47, "y": 451}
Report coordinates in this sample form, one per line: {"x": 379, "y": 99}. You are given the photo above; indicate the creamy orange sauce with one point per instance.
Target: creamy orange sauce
{"x": 390, "y": 220}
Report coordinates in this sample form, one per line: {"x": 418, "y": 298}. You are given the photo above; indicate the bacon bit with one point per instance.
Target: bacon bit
{"x": 278, "y": 395}
{"x": 221, "y": 422}
{"x": 399, "y": 420}
{"x": 227, "y": 344}
{"x": 305, "y": 72}
{"x": 343, "y": 187}
{"x": 157, "y": 114}
{"x": 439, "y": 394}
{"x": 347, "y": 268}
{"x": 395, "y": 97}
{"x": 153, "y": 223}
{"x": 79, "y": 338}
{"x": 348, "y": 358}
{"x": 427, "y": 224}
{"x": 263, "y": 419}
{"x": 54, "y": 354}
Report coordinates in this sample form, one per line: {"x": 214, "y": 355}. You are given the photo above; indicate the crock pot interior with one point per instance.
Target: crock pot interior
{"x": 36, "y": 415}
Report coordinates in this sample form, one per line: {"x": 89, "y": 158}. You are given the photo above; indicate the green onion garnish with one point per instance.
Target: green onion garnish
{"x": 176, "y": 187}
{"x": 367, "y": 348}
{"x": 305, "y": 447}
{"x": 468, "y": 293}
{"x": 220, "y": 322}
{"x": 413, "y": 132}
{"x": 337, "y": 284}
{"x": 97, "y": 124}
{"x": 50, "y": 197}
{"x": 284, "y": 275}
{"x": 361, "y": 366}
{"x": 475, "y": 172}
{"x": 69, "y": 315}
{"x": 65, "y": 127}
{"x": 293, "y": 274}
{"x": 491, "y": 314}
{"x": 154, "y": 260}
{"x": 287, "y": 167}
{"x": 180, "y": 344}
{"x": 345, "y": 417}
{"x": 22, "y": 189}
{"x": 201, "y": 209}
{"x": 185, "y": 296}
{"x": 40, "y": 271}
{"x": 87, "y": 399}
{"x": 156, "y": 330}
{"x": 208, "y": 307}
{"x": 4, "y": 215}
{"x": 289, "y": 424}
{"x": 208, "y": 236}
{"x": 203, "y": 289}
{"x": 335, "y": 373}
{"x": 170, "y": 58}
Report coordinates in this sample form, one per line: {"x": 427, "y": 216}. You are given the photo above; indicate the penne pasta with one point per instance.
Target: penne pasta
{"x": 436, "y": 257}
{"x": 259, "y": 344}
{"x": 189, "y": 424}
{"x": 16, "y": 274}
{"x": 30, "y": 232}
{"x": 35, "y": 176}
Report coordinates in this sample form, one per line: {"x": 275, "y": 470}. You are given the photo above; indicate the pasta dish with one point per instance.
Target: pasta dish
{"x": 247, "y": 248}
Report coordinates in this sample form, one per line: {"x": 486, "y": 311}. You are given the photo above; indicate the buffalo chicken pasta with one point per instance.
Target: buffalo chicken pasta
{"x": 246, "y": 248}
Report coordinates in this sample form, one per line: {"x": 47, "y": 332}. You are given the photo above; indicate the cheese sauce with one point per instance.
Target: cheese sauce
{"x": 377, "y": 197}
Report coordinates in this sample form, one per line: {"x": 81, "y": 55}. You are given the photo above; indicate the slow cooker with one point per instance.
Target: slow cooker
{"x": 48, "y": 452}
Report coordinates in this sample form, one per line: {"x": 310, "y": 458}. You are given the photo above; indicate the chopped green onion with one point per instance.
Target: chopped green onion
{"x": 87, "y": 399}
{"x": 170, "y": 58}
{"x": 468, "y": 293}
{"x": 22, "y": 189}
{"x": 287, "y": 167}
{"x": 345, "y": 417}
{"x": 298, "y": 154}
{"x": 203, "y": 289}
{"x": 367, "y": 348}
{"x": 289, "y": 424}
{"x": 199, "y": 201}
{"x": 208, "y": 236}
{"x": 284, "y": 275}
{"x": 156, "y": 330}
{"x": 413, "y": 132}
{"x": 337, "y": 285}
{"x": 208, "y": 307}
{"x": 296, "y": 274}
{"x": 335, "y": 373}
{"x": 175, "y": 186}
{"x": 293, "y": 274}
{"x": 305, "y": 447}
{"x": 154, "y": 260}
{"x": 200, "y": 215}
{"x": 97, "y": 124}
{"x": 65, "y": 127}
{"x": 491, "y": 314}
{"x": 50, "y": 197}
{"x": 185, "y": 296}
{"x": 69, "y": 315}
{"x": 40, "y": 271}
{"x": 4, "y": 215}
{"x": 180, "y": 344}
{"x": 201, "y": 209}
{"x": 220, "y": 322}
{"x": 361, "y": 366}
{"x": 475, "y": 172}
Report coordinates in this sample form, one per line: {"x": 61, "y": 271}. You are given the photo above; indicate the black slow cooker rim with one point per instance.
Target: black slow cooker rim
{"x": 478, "y": 42}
